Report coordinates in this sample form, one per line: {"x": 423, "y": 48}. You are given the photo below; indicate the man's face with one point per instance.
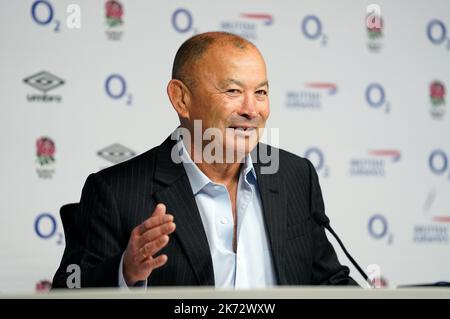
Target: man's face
{"x": 231, "y": 94}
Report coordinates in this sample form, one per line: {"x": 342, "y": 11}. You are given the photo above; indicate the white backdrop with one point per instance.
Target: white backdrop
{"x": 358, "y": 104}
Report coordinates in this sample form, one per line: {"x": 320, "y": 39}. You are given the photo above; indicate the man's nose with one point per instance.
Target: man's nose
{"x": 248, "y": 108}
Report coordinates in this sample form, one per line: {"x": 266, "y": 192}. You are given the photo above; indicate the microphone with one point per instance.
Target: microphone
{"x": 322, "y": 220}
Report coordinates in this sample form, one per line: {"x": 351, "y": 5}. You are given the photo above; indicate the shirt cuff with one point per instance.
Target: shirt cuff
{"x": 123, "y": 284}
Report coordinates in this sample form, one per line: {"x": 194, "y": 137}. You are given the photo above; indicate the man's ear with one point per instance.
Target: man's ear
{"x": 180, "y": 98}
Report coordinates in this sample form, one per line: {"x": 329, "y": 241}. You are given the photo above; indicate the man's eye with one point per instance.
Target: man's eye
{"x": 233, "y": 91}
{"x": 261, "y": 92}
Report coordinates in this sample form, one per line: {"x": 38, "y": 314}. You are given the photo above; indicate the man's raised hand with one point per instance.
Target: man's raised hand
{"x": 146, "y": 240}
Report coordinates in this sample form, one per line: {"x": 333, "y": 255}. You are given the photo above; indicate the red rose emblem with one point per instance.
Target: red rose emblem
{"x": 380, "y": 282}
{"x": 43, "y": 286}
{"x": 437, "y": 90}
{"x": 45, "y": 147}
{"x": 114, "y": 10}
{"x": 374, "y": 23}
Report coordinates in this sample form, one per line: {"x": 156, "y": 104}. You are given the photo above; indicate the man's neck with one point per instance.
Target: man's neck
{"x": 221, "y": 173}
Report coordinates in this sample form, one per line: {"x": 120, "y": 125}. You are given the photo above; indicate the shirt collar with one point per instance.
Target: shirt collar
{"x": 197, "y": 178}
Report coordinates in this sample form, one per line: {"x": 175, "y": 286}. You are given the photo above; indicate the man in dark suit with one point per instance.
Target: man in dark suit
{"x": 240, "y": 223}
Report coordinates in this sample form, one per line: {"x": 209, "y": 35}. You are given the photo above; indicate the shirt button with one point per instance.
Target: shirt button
{"x": 224, "y": 220}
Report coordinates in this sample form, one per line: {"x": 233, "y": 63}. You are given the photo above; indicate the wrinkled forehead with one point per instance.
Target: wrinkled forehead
{"x": 222, "y": 57}
{"x": 222, "y": 48}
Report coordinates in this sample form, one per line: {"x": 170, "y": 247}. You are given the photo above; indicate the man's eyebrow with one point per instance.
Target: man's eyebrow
{"x": 237, "y": 82}
{"x": 263, "y": 83}
{"x": 232, "y": 81}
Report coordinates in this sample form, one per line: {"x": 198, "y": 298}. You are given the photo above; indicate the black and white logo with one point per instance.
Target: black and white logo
{"x": 116, "y": 153}
{"x": 44, "y": 81}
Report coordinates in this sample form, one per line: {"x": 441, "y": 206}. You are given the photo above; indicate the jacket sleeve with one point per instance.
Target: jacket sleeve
{"x": 102, "y": 243}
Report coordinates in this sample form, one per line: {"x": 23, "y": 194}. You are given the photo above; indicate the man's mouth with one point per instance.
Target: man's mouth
{"x": 243, "y": 130}
{"x": 243, "y": 127}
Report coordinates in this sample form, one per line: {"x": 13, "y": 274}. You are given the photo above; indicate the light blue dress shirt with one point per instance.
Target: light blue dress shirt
{"x": 251, "y": 265}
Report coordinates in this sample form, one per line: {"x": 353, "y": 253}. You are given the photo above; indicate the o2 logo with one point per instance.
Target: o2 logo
{"x": 312, "y": 29}
{"x": 315, "y": 155}
{"x": 376, "y": 97}
{"x": 438, "y": 162}
{"x": 43, "y": 14}
{"x": 379, "y": 229}
{"x": 183, "y": 22}
{"x": 116, "y": 88}
{"x": 437, "y": 33}
{"x": 46, "y": 227}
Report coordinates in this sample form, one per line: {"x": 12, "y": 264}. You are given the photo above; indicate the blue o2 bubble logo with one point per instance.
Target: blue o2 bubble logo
{"x": 116, "y": 88}
{"x": 376, "y": 97}
{"x": 378, "y": 228}
{"x": 437, "y": 33}
{"x": 438, "y": 162}
{"x": 315, "y": 155}
{"x": 182, "y": 21}
{"x": 46, "y": 227}
{"x": 118, "y": 91}
{"x": 312, "y": 29}
{"x": 42, "y": 14}
{"x": 39, "y": 19}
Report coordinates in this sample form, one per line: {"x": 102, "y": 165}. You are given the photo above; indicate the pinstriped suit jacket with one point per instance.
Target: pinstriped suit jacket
{"x": 117, "y": 199}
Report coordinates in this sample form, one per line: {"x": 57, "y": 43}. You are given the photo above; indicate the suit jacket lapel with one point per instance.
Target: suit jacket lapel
{"x": 273, "y": 197}
{"x": 177, "y": 195}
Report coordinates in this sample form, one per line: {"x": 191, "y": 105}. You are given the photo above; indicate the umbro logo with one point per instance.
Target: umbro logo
{"x": 116, "y": 153}
{"x": 44, "y": 81}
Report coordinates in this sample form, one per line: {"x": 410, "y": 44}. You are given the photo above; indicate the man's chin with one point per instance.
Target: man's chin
{"x": 236, "y": 154}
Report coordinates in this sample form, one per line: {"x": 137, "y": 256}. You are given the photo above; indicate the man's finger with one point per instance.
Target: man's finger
{"x": 160, "y": 209}
{"x": 157, "y": 218}
{"x": 153, "y": 222}
{"x": 155, "y": 246}
{"x": 155, "y": 232}
{"x": 157, "y": 262}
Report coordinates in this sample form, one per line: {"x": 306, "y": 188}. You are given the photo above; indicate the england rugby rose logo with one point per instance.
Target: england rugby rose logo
{"x": 114, "y": 12}
{"x": 437, "y": 93}
{"x": 45, "y": 151}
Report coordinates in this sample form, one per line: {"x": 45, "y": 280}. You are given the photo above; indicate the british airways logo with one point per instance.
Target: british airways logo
{"x": 330, "y": 88}
{"x": 375, "y": 163}
{"x": 441, "y": 219}
{"x": 266, "y": 19}
{"x": 436, "y": 228}
{"x": 247, "y": 25}
{"x": 393, "y": 155}
{"x": 311, "y": 96}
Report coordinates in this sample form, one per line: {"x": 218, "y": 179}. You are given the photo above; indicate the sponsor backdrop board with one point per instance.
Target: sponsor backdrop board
{"x": 360, "y": 88}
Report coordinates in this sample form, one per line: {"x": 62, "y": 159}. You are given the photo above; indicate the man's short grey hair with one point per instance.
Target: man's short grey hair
{"x": 193, "y": 49}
